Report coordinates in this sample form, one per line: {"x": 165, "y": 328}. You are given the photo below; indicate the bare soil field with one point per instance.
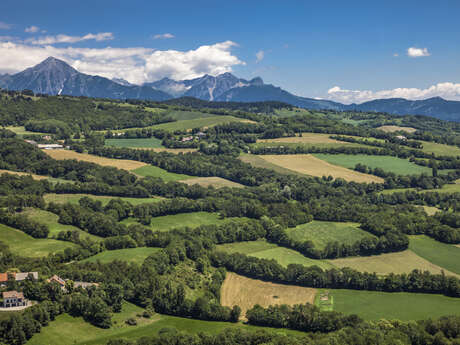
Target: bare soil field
{"x": 396, "y": 128}
{"x": 117, "y": 163}
{"x": 400, "y": 262}
{"x": 247, "y": 292}
{"x": 214, "y": 181}
{"x": 310, "y": 165}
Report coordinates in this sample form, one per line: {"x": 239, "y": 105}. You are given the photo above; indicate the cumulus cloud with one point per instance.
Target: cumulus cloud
{"x": 32, "y": 29}
{"x": 417, "y": 52}
{"x": 101, "y": 36}
{"x": 445, "y": 90}
{"x": 163, "y": 36}
{"x": 260, "y": 56}
{"x": 136, "y": 65}
{"x": 4, "y": 26}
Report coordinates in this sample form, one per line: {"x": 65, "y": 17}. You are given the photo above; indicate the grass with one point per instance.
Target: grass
{"x": 322, "y": 233}
{"x": 264, "y": 250}
{"x": 154, "y": 171}
{"x": 387, "y": 163}
{"x": 27, "y": 246}
{"x": 447, "y": 188}
{"x": 247, "y": 292}
{"x": 391, "y": 128}
{"x": 201, "y": 122}
{"x": 117, "y": 163}
{"x": 67, "y": 330}
{"x": 74, "y": 198}
{"x": 134, "y": 255}
{"x": 441, "y": 254}
{"x": 306, "y": 138}
{"x": 400, "y": 262}
{"x": 216, "y": 182}
{"x": 375, "y": 305}
{"x": 35, "y": 177}
{"x": 134, "y": 143}
{"x": 311, "y": 165}
{"x": 21, "y": 131}
{"x": 193, "y": 220}
{"x": 51, "y": 220}
{"x": 440, "y": 149}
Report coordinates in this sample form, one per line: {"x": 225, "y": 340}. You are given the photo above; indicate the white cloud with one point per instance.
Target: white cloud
{"x": 163, "y": 36}
{"x": 260, "y": 56}
{"x": 5, "y": 26}
{"x": 395, "y": 54}
{"x": 417, "y": 52}
{"x": 136, "y": 65}
{"x": 32, "y": 29}
{"x": 445, "y": 90}
{"x": 102, "y": 36}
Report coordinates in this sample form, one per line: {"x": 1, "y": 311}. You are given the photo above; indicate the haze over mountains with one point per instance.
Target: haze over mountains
{"x": 54, "y": 77}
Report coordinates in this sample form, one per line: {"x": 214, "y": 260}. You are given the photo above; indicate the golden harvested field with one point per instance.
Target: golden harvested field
{"x": 176, "y": 151}
{"x": 306, "y": 138}
{"x": 396, "y": 128}
{"x": 310, "y": 165}
{"x": 216, "y": 182}
{"x": 35, "y": 177}
{"x": 117, "y": 163}
{"x": 247, "y": 292}
{"x": 400, "y": 262}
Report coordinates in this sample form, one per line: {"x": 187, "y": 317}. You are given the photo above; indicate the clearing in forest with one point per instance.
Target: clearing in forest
{"x": 204, "y": 122}
{"x": 311, "y": 165}
{"x": 307, "y": 138}
{"x": 111, "y": 162}
{"x": 321, "y": 233}
{"x": 391, "y": 128}
{"x": 135, "y": 255}
{"x": 154, "y": 171}
{"x": 400, "y": 262}
{"x": 214, "y": 181}
{"x": 134, "y": 143}
{"x": 247, "y": 292}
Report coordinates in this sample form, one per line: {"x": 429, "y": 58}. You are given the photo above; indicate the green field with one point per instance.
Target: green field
{"x": 264, "y": 250}
{"x": 51, "y": 220}
{"x": 447, "y": 188}
{"x": 322, "y": 233}
{"x": 258, "y": 162}
{"x": 135, "y": 255}
{"x": 138, "y": 142}
{"x": 21, "y": 131}
{"x": 374, "y": 305}
{"x": 154, "y": 171}
{"x": 192, "y": 220}
{"x": 180, "y": 115}
{"x": 305, "y": 145}
{"x": 387, "y": 163}
{"x": 201, "y": 122}
{"x": 441, "y": 254}
{"x": 67, "y": 330}
{"x": 27, "y": 246}
{"x": 104, "y": 199}
{"x": 440, "y": 149}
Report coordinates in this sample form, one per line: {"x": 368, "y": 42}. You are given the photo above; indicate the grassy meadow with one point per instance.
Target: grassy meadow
{"x": 104, "y": 199}
{"x": 321, "y": 233}
{"x": 392, "y": 128}
{"x": 440, "y": 149}
{"x": 154, "y": 171}
{"x": 260, "y": 162}
{"x": 134, "y": 255}
{"x": 27, "y": 246}
{"x": 201, "y": 122}
{"x": 387, "y": 163}
{"x": 214, "y": 181}
{"x": 444, "y": 255}
{"x": 134, "y": 143}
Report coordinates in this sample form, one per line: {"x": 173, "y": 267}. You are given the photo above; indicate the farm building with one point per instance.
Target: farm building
{"x": 13, "y": 299}
{"x": 19, "y": 277}
{"x": 50, "y": 146}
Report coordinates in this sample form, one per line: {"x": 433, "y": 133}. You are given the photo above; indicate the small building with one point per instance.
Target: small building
{"x": 46, "y": 137}
{"x": 50, "y": 146}
{"x": 31, "y": 142}
{"x": 13, "y": 299}
{"x": 21, "y": 276}
{"x": 401, "y": 137}
{"x": 57, "y": 279}
{"x": 84, "y": 285}
{"x": 184, "y": 139}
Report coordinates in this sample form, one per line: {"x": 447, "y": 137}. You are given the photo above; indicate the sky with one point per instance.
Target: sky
{"x": 347, "y": 51}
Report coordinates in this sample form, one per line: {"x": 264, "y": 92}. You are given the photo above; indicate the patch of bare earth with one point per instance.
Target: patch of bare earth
{"x": 396, "y": 128}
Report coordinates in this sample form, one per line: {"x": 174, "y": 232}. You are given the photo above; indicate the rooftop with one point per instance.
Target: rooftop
{"x": 13, "y": 294}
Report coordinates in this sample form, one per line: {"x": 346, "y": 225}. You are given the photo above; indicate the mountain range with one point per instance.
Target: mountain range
{"x": 55, "y": 77}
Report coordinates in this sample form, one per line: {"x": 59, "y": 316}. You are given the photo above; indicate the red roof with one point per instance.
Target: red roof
{"x": 12, "y": 294}
{"x": 4, "y": 277}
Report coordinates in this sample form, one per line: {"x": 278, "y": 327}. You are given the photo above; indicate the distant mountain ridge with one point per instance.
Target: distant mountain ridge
{"x": 54, "y": 77}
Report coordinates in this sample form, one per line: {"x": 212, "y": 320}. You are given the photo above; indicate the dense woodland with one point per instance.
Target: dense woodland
{"x": 184, "y": 276}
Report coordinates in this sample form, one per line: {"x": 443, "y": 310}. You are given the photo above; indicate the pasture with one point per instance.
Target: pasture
{"x": 387, "y": 163}
{"x": 104, "y": 199}
{"x": 392, "y": 128}
{"x": 399, "y": 262}
{"x": 306, "y": 138}
{"x": 192, "y": 220}
{"x": 202, "y": 122}
{"x": 444, "y": 255}
{"x": 246, "y": 292}
{"x": 214, "y": 181}
{"x": 117, "y": 163}
{"x": 311, "y": 165}
{"x": 27, "y": 246}
{"x": 440, "y": 149}
{"x": 263, "y": 250}
{"x": 154, "y": 171}
{"x": 447, "y": 188}
{"x": 375, "y": 305}
{"x": 322, "y": 233}
{"x": 133, "y": 255}
{"x": 134, "y": 143}
{"x": 21, "y": 131}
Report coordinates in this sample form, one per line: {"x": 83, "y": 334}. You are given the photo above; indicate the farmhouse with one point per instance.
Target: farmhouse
{"x": 19, "y": 277}
{"x": 57, "y": 279}
{"x": 50, "y": 146}
{"x": 13, "y": 299}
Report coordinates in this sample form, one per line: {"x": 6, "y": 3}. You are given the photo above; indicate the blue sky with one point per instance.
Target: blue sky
{"x": 356, "y": 50}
